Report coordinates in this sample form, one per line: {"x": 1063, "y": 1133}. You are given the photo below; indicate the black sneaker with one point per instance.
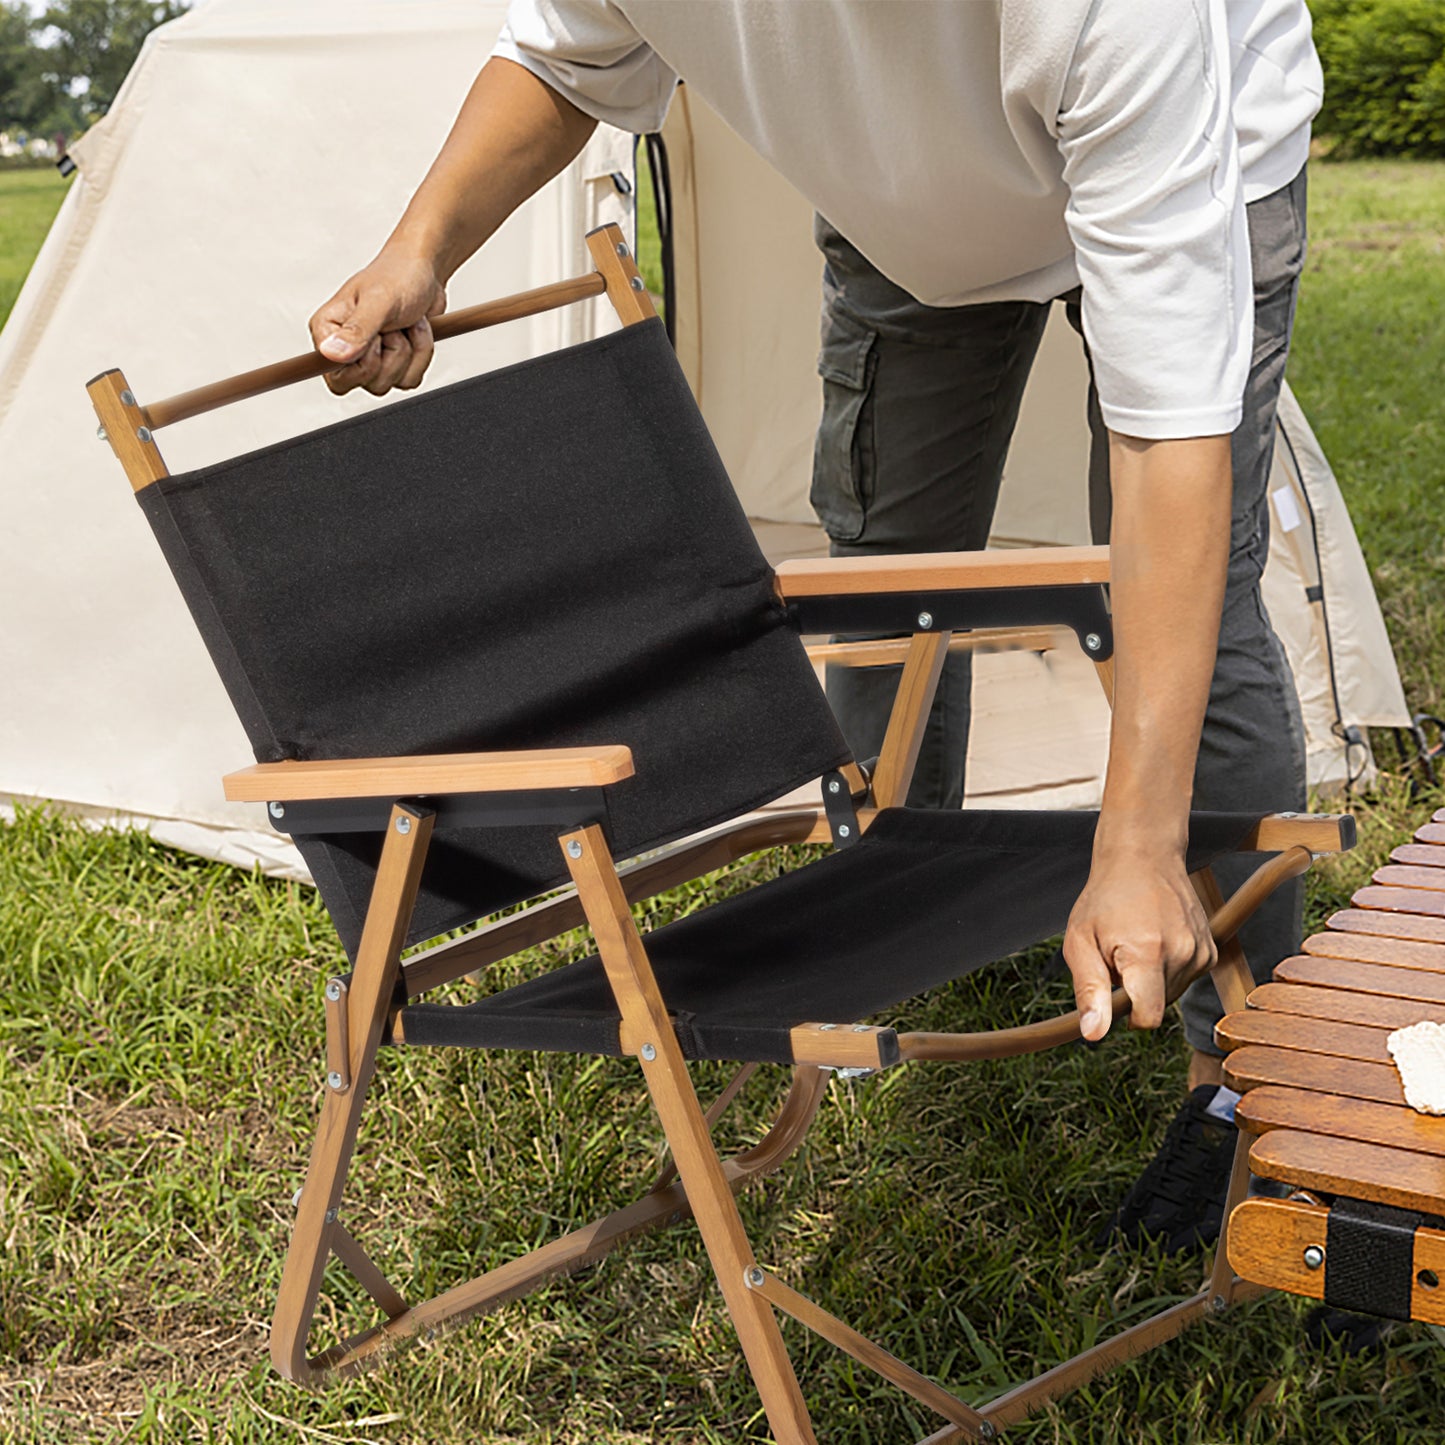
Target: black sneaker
{"x": 1178, "y": 1200}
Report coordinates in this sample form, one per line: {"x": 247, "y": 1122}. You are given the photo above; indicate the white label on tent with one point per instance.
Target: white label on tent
{"x": 1286, "y": 509}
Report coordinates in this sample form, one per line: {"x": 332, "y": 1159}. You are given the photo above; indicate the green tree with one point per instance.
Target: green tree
{"x": 93, "y": 43}
{"x": 1384, "y": 64}
{"x": 27, "y": 93}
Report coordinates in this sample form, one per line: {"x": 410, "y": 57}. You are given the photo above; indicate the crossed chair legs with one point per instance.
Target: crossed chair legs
{"x": 697, "y": 1183}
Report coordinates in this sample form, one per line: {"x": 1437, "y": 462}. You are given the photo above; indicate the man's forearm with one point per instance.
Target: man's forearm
{"x": 1169, "y": 552}
{"x": 512, "y": 136}
{"x": 1137, "y": 922}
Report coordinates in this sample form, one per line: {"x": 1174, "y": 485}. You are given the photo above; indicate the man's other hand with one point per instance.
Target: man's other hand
{"x": 377, "y": 326}
{"x": 1138, "y": 925}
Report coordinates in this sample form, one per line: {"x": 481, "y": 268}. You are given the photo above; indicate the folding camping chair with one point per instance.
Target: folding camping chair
{"x": 488, "y": 640}
{"x": 1324, "y": 1111}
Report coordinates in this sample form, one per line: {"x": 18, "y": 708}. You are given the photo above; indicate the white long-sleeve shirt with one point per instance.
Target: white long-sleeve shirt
{"x": 984, "y": 150}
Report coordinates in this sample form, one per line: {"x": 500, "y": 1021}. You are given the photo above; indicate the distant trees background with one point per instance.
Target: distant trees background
{"x": 61, "y": 67}
{"x": 1384, "y": 66}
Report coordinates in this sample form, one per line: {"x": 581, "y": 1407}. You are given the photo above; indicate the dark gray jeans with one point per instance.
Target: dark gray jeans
{"x": 919, "y": 407}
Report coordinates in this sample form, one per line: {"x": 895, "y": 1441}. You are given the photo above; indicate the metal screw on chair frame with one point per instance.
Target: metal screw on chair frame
{"x": 844, "y": 830}
{"x": 101, "y": 435}
{"x": 403, "y": 826}
{"x": 1219, "y": 1304}
{"x": 276, "y": 810}
{"x": 988, "y": 1430}
{"x": 835, "y": 786}
{"x": 574, "y": 849}
{"x": 1314, "y": 1257}
{"x": 826, "y": 1028}
{"x": 331, "y": 1216}
{"x": 637, "y": 284}
{"x": 649, "y": 1052}
{"x": 127, "y": 398}
{"x": 862, "y": 1028}
{"x": 333, "y": 989}
{"x": 622, "y": 249}
{"x": 1093, "y": 642}
{"x": 755, "y": 1277}
{"x": 925, "y": 620}
{"x": 143, "y": 433}
{"x": 335, "y": 1081}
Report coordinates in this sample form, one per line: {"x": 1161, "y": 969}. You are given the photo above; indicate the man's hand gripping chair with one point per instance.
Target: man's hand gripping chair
{"x": 489, "y": 641}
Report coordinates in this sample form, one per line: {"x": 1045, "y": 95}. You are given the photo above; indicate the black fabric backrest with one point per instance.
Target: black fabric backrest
{"x": 549, "y": 555}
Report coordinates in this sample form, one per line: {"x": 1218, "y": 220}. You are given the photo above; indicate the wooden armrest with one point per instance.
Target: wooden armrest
{"x": 438, "y": 773}
{"x": 1319, "y": 832}
{"x": 943, "y": 571}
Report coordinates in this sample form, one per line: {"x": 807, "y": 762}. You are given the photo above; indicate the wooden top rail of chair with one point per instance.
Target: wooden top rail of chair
{"x": 943, "y": 571}
{"x": 303, "y": 368}
{"x": 427, "y": 775}
{"x": 130, "y": 427}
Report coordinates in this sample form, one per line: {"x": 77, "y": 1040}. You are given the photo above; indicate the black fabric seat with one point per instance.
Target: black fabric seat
{"x": 922, "y": 898}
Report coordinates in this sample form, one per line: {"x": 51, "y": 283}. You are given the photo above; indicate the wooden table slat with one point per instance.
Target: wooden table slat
{"x": 1345, "y": 1166}
{"x": 1369, "y": 978}
{"x": 1422, "y": 855}
{"x": 1399, "y": 875}
{"x": 1395, "y": 1126}
{"x": 1257, "y": 1065}
{"x": 1371, "y": 948}
{"x": 1310, "y": 1036}
{"x": 1367, "y": 1010}
{"x": 1389, "y": 925}
{"x": 1401, "y": 900}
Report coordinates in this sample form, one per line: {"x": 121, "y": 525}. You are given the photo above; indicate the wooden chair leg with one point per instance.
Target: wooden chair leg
{"x": 367, "y": 1000}
{"x": 1105, "y": 670}
{"x": 647, "y": 1032}
{"x": 1231, "y": 976}
{"x": 659, "y": 1208}
{"x": 1224, "y": 1288}
{"x": 927, "y": 652}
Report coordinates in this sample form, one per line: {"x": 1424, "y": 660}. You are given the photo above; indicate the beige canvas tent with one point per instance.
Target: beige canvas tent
{"x": 250, "y": 163}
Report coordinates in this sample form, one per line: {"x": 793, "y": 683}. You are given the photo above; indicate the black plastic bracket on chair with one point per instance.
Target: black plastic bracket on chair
{"x": 838, "y": 805}
{"x": 561, "y": 808}
{"x": 1370, "y": 1257}
{"x": 1084, "y": 608}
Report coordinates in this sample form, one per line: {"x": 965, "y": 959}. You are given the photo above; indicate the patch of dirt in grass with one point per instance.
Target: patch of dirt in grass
{"x": 128, "y": 1123}
{"x": 100, "y": 1396}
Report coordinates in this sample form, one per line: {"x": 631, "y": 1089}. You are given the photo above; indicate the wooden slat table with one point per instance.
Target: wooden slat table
{"x": 1322, "y": 1099}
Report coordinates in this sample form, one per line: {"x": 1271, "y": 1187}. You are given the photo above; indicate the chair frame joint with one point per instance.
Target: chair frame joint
{"x": 841, "y": 813}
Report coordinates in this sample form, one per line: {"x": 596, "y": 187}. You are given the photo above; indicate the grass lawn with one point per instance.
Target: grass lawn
{"x": 28, "y": 203}
{"x": 160, "y": 1069}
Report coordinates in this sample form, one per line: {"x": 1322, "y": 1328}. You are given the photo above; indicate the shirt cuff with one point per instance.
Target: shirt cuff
{"x": 1209, "y": 421}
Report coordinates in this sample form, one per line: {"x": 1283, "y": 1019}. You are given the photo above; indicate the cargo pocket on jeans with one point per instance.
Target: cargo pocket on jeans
{"x": 843, "y": 457}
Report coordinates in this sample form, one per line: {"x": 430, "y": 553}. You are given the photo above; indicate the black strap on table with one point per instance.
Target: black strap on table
{"x": 1370, "y": 1257}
